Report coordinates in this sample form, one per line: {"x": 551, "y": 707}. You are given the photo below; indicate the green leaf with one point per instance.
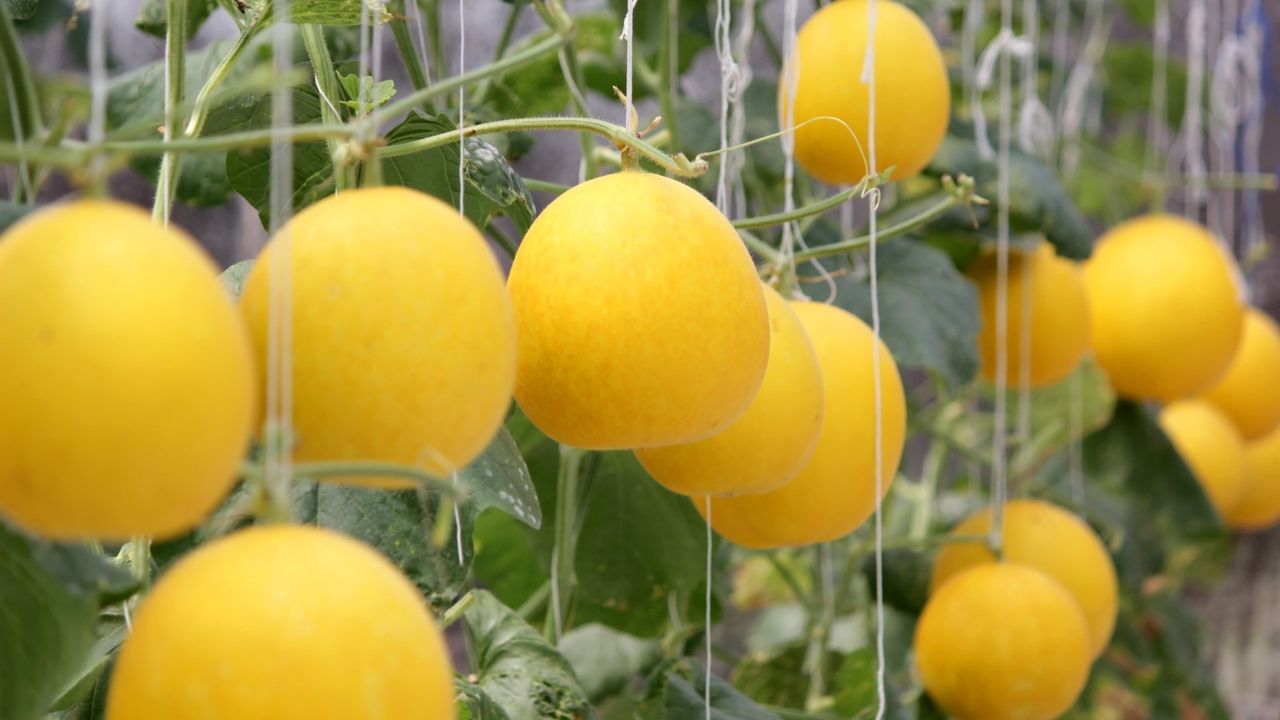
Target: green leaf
{"x": 606, "y": 660}
{"x": 22, "y": 9}
{"x": 233, "y": 278}
{"x": 676, "y": 693}
{"x": 11, "y": 213}
{"x": 79, "y": 690}
{"x": 249, "y": 171}
{"x": 321, "y": 12}
{"x": 400, "y": 524}
{"x": 500, "y": 479}
{"x": 50, "y": 596}
{"x": 153, "y": 17}
{"x": 492, "y": 187}
{"x": 1051, "y": 409}
{"x": 638, "y": 543}
{"x": 906, "y": 578}
{"x": 1132, "y": 458}
{"x": 376, "y": 94}
{"x": 475, "y": 704}
{"x": 779, "y": 679}
{"x": 928, "y": 310}
{"x": 1037, "y": 204}
{"x": 538, "y": 87}
{"x": 135, "y": 105}
{"x": 1129, "y": 69}
{"x": 516, "y": 667}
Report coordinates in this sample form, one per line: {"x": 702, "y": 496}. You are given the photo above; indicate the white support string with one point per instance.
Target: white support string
{"x": 1157, "y": 133}
{"x": 974, "y": 15}
{"x": 999, "y": 480}
{"x": 462, "y": 109}
{"x": 1233, "y": 97}
{"x": 462, "y": 205}
{"x": 1252, "y": 235}
{"x": 728, "y": 84}
{"x": 788, "y": 140}
{"x": 97, "y": 132}
{"x": 1192, "y": 141}
{"x": 736, "y": 159}
{"x": 869, "y": 79}
{"x": 1075, "y": 96}
{"x": 1061, "y": 51}
{"x": 279, "y": 412}
{"x": 706, "y": 688}
{"x": 628, "y": 35}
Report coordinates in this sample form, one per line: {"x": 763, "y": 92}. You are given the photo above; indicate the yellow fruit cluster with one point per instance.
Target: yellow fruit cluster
{"x": 1014, "y": 638}
{"x": 1169, "y": 324}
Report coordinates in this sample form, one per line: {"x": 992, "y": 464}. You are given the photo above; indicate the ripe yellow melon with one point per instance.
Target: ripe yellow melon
{"x": 126, "y": 379}
{"x": 1258, "y": 507}
{"x": 640, "y": 318}
{"x": 1057, "y": 320}
{"x": 1050, "y": 539}
{"x": 771, "y": 442}
{"x": 835, "y": 492}
{"x": 1249, "y": 391}
{"x": 1211, "y": 446}
{"x": 1003, "y": 641}
{"x": 1165, "y": 308}
{"x": 403, "y": 339}
{"x": 913, "y": 94}
{"x": 283, "y": 622}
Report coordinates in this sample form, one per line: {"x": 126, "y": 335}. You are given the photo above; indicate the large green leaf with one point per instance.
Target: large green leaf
{"x": 779, "y": 678}
{"x": 1037, "y": 202}
{"x": 516, "y": 667}
{"x": 491, "y": 188}
{"x": 153, "y": 17}
{"x": 639, "y": 542}
{"x": 22, "y": 9}
{"x": 319, "y": 12}
{"x": 233, "y": 278}
{"x": 400, "y": 524}
{"x": 606, "y": 660}
{"x": 499, "y": 478}
{"x": 928, "y": 310}
{"x": 50, "y": 596}
{"x": 249, "y": 171}
{"x": 538, "y": 87}
{"x": 1155, "y": 497}
{"x": 11, "y": 213}
{"x": 906, "y": 576}
{"x": 676, "y": 693}
{"x": 475, "y": 704}
{"x": 135, "y": 109}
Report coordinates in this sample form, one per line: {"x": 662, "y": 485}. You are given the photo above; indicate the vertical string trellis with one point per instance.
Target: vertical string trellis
{"x": 462, "y": 206}
{"x": 999, "y": 480}
{"x": 869, "y": 79}
{"x": 791, "y": 76}
{"x": 279, "y": 411}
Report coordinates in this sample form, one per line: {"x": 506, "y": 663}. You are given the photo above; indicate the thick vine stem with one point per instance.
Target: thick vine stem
{"x": 443, "y": 87}
{"x": 564, "y": 577}
{"x": 458, "y": 609}
{"x": 22, "y": 93}
{"x": 175, "y": 60}
{"x": 326, "y": 79}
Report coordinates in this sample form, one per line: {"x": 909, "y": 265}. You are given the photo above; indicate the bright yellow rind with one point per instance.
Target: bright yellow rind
{"x": 1166, "y": 311}
{"x": 1002, "y": 641}
{"x": 1249, "y": 391}
{"x": 283, "y": 622}
{"x": 640, "y": 316}
{"x": 1050, "y": 539}
{"x": 1211, "y": 446}
{"x": 403, "y": 338}
{"x": 835, "y": 492}
{"x": 1258, "y": 507}
{"x": 771, "y": 442}
{"x": 913, "y": 94}
{"x": 1059, "y": 315}
{"x": 126, "y": 380}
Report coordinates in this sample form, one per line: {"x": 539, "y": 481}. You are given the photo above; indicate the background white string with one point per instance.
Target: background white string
{"x": 1192, "y": 139}
{"x": 1157, "y": 138}
{"x": 999, "y": 480}
{"x": 278, "y": 459}
{"x": 628, "y": 34}
{"x": 1252, "y": 236}
{"x": 791, "y": 78}
{"x": 97, "y": 132}
{"x": 735, "y": 160}
{"x": 869, "y": 79}
{"x": 462, "y": 205}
